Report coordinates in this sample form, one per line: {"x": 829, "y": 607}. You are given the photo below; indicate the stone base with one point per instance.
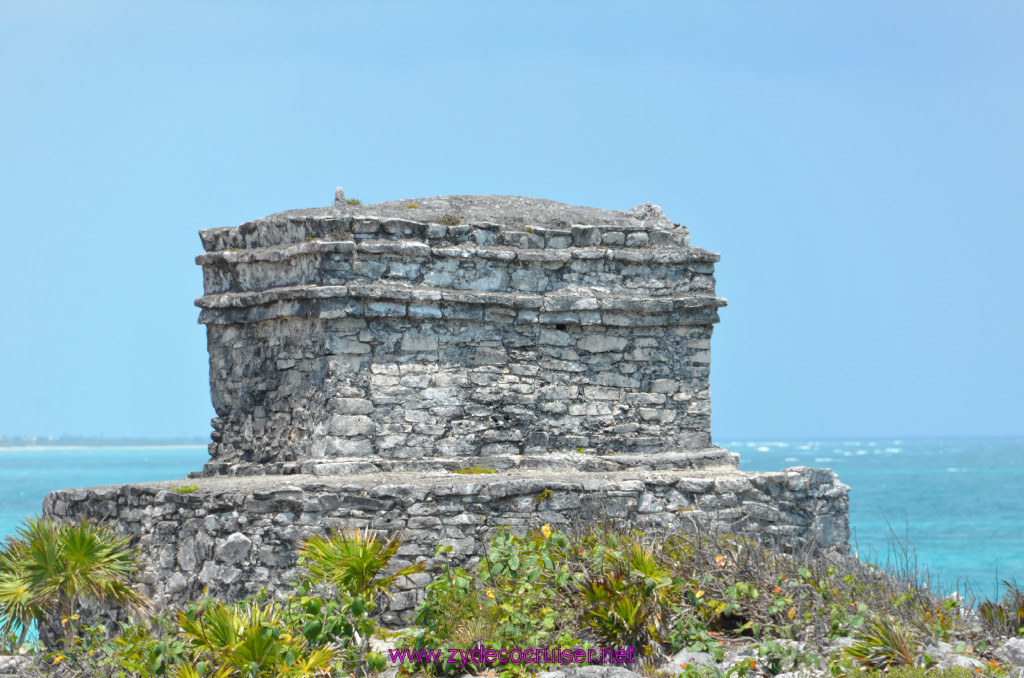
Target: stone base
{"x": 234, "y": 535}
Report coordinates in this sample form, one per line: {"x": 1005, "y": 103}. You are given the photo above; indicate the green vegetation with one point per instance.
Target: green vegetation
{"x": 701, "y": 593}
{"x": 412, "y": 206}
{"x": 591, "y": 589}
{"x": 49, "y": 571}
{"x": 450, "y": 220}
{"x": 186, "y": 489}
{"x": 1006, "y": 616}
{"x": 353, "y": 201}
{"x": 474, "y": 470}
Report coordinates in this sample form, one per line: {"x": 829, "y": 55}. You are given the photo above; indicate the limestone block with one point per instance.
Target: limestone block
{"x": 234, "y": 548}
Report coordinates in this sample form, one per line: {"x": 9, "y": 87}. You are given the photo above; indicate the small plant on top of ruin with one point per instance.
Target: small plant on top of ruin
{"x": 475, "y": 470}
{"x": 542, "y": 497}
{"x": 412, "y": 206}
{"x": 353, "y": 201}
{"x": 186, "y": 489}
{"x": 450, "y": 220}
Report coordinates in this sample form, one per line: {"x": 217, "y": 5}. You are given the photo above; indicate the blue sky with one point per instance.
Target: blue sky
{"x": 860, "y": 167}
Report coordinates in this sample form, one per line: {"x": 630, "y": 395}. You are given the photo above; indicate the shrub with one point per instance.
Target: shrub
{"x": 352, "y": 561}
{"x": 247, "y": 640}
{"x": 51, "y": 570}
{"x": 627, "y": 598}
{"x": 1005, "y": 618}
{"x": 884, "y": 644}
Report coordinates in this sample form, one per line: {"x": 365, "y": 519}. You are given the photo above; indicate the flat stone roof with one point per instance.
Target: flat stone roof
{"x": 506, "y": 210}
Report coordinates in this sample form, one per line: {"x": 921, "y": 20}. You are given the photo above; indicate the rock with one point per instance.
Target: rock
{"x": 234, "y": 549}
{"x": 15, "y": 665}
{"x": 686, "y": 658}
{"x": 734, "y": 655}
{"x": 1011, "y": 652}
{"x": 590, "y": 672}
{"x": 839, "y": 644}
{"x": 949, "y": 661}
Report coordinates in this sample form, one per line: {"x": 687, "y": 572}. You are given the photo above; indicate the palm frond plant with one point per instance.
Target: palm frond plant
{"x": 51, "y": 568}
{"x": 883, "y": 643}
{"x": 353, "y": 560}
{"x": 350, "y": 565}
{"x": 628, "y": 604}
{"x": 247, "y": 640}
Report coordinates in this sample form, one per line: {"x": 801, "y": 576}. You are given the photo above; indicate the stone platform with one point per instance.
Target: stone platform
{"x": 234, "y": 535}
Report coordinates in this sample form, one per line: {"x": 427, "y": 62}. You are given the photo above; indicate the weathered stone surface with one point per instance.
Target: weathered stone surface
{"x": 679, "y": 662}
{"x": 590, "y": 672}
{"x": 1012, "y": 651}
{"x": 15, "y": 665}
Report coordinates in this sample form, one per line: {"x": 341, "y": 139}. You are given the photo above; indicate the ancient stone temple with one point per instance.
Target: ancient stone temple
{"x": 363, "y": 358}
{"x": 459, "y": 331}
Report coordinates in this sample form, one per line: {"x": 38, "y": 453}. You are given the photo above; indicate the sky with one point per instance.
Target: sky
{"x": 859, "y": 166}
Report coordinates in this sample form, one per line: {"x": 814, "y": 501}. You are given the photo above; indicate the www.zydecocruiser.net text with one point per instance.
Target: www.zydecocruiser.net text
{"x": 530, "y": 655}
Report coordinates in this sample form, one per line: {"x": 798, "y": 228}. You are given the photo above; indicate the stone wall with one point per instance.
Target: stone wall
{"x": 318, "y": 396}
{"x": 234, "y": 535}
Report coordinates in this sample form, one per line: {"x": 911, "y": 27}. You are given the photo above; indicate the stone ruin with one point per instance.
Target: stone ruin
{"x": 362, "y": 356}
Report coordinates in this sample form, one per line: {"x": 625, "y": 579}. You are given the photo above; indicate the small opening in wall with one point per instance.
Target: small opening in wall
{"x": 560, "y": 327}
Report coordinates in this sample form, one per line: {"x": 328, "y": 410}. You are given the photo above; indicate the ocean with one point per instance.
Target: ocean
{"x": 960, "y": 502}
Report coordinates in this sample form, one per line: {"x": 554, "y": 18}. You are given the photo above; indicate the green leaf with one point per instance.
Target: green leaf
{"x": 312, "y": 629}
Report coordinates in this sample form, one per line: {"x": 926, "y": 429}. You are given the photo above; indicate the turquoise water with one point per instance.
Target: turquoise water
{"x": 962, "y": 501}
{"x": 28, "y": 474}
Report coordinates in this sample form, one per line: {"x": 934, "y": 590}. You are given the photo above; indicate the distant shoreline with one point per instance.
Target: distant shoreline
{"x": 150, "y": 446}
